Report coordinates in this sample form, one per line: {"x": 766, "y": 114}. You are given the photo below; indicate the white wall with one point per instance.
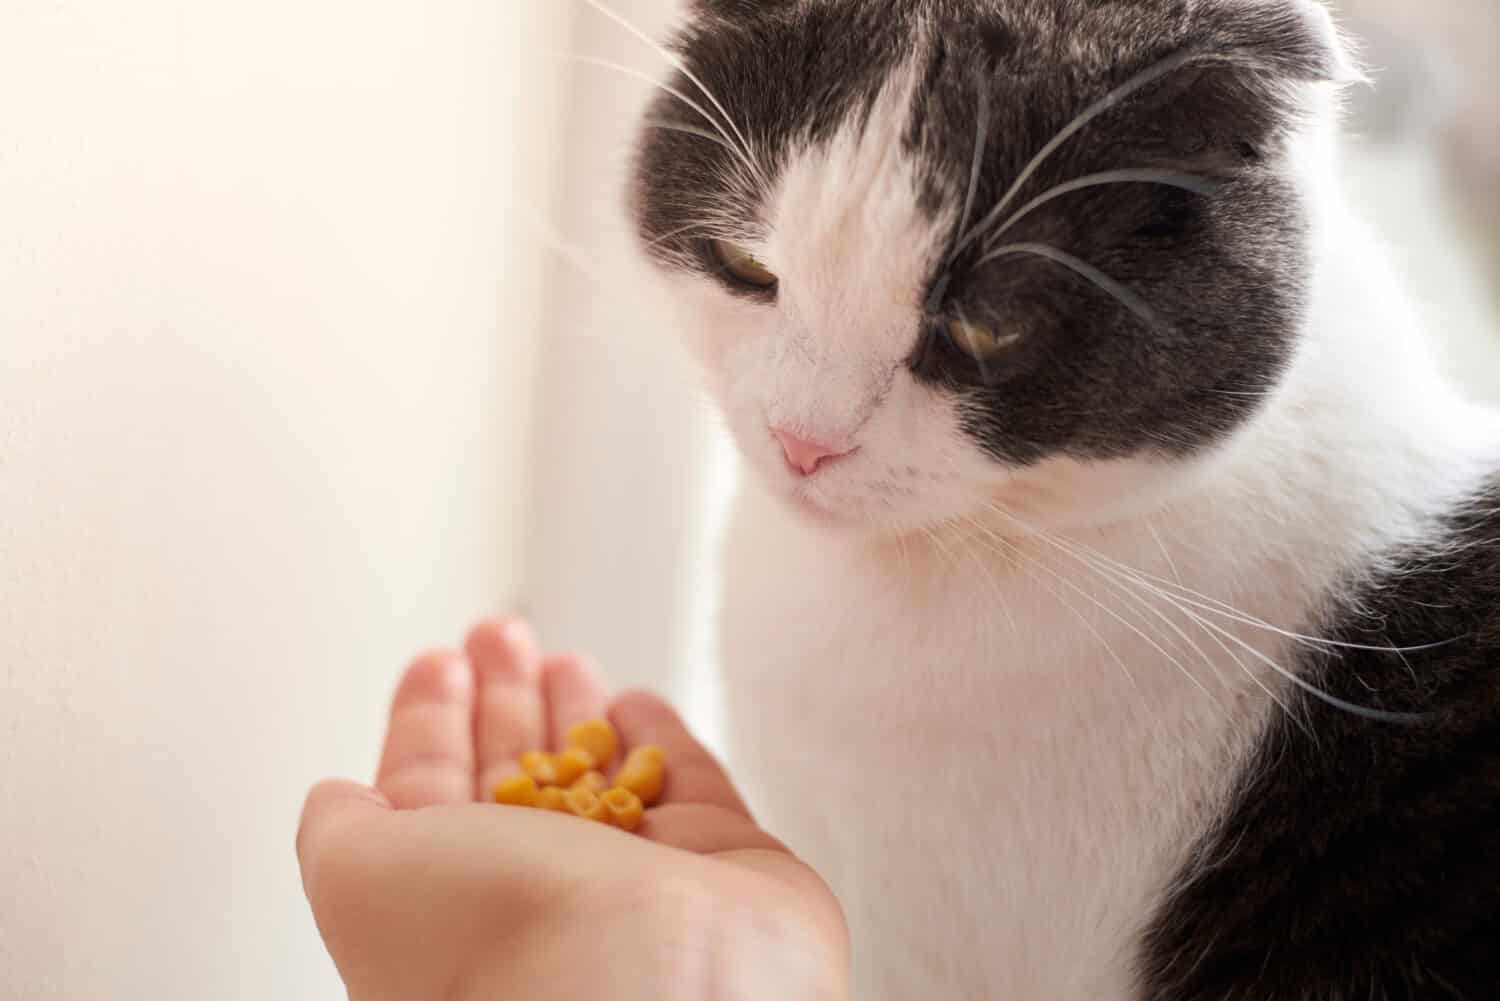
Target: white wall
{"x": 267, "y": 352}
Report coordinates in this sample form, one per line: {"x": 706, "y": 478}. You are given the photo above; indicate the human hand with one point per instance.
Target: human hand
{"x": 423, "y": 888}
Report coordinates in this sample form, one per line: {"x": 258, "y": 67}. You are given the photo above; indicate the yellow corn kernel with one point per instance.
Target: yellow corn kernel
{"x": 595, "y": 782}
{"x": 644, "y": 773}
{"x": 553, "y": 798}
{"x": 571, "y": 765}
{"x": 598, "y": 738}
{"x": 625, "y": 808}
{"x": 586, "y": 803}
{"x": 520, "y": 790}
{"x": 538, "y": 764}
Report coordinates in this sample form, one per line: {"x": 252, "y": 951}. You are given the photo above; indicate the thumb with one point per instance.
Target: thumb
{"x": 330, "y": 808}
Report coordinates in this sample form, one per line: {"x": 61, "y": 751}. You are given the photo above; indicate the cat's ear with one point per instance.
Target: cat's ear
{"x": 1297, "y": 39}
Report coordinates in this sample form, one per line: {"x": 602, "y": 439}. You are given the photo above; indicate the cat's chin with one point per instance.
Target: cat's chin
{"x": 820, "y": 513}
{"x": 851, "y": 519}
{"x": 810, "y": 506}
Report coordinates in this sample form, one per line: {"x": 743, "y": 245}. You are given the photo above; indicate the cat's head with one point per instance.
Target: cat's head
{"x": 940, "y": 255}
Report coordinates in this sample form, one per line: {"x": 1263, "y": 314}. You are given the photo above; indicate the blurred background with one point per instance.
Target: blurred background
{"x": 320, "y": 336}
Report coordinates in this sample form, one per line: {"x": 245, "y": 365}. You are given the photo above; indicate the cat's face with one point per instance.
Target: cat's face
{"x": 942, "y": 255}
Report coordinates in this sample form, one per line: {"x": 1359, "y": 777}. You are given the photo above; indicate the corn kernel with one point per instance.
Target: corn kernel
{"x": 571, "y": 765}
{"x": 518, "y": 791}
{"x": 593, "y": 781}
{"x": 586, "y": 803}
{"x": 538, "y": 764}
{"x": 553, "y": 798}
{"x": 644, "y": 773}
{"x": 598, "y": 738}
{"x": 625, "y": 808}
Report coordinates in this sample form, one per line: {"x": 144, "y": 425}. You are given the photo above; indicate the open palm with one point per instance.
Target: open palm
{"x": 423, "y": 888}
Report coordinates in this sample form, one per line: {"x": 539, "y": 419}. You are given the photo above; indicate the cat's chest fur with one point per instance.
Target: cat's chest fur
{"x": 994, "y": 759}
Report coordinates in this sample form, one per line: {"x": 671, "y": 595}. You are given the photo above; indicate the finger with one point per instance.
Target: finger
{"x": 574, "y": 691}
{"x": 693, "y": 776}
{"x": 705, "y": 830}
{"x": 330, "y": 807}
{"x": 429, "y": 747}
{"x": 508, "y": 715}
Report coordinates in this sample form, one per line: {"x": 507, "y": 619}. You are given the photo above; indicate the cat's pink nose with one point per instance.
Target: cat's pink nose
{"x": 804, "y": 456}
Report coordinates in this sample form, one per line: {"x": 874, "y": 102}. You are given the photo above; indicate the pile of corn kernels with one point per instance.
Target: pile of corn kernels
{"x": 573, "y": 780}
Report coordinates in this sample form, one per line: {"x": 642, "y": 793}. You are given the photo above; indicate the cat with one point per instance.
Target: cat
{"x": 1112, "y": 607}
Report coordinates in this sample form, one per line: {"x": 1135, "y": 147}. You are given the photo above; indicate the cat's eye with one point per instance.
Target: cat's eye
{"x": 742, "y": 266}
{"x": 979, "y": 341}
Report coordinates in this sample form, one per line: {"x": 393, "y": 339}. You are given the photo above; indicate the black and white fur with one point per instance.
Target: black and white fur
{"x": 1157, "y": 659}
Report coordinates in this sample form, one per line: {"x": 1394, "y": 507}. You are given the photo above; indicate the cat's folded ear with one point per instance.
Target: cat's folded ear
{"x": 1298, "y": 39}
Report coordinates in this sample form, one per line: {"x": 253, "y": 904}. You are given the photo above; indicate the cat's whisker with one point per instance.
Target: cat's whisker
{"x": 997, "y": 591}
{"x": 1162, "y": 546}
{"x": 1120, "y": 584}
{"x": 741, "y": 155}
{"x": 1292, "y": 677}
{"x": 904, "y": 551}
{"x": 1212, "y": 631}
{"x": 705, "y": 229}
{"x": 937, "y": 541}
{"x": 676, "y": 63}
{"x": 1169, "y": 440}
{"x": 692, "y": 130}
{"x": 1081, "y": 552}
{"x": 1011, "y": 547}
{"x": 1146, "y": 603}
{"x": 1165, "y": 67}
{"x": 1024, "y": 563}
{"x": 1239, "y": 662}
{"x": 981, "y": 144}
{"x": 1379, "y": 715}
{"x": 1082, "y": 268}
{"x": 935, "y": 538}
{"x": 1262, "y": 395}
{"x": 1225, "y": 610}
{"x": 1107, "y": 610}
{"x": 1312, "y": 641}
{"x": 987, "y": 575}
{"x": 1168, "y": 178}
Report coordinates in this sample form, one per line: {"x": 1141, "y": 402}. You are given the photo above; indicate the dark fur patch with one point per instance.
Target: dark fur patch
{"x": 1362, "y": 863}
{"x": 1221, "y": 274}
{"x": 786, "y": 74}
